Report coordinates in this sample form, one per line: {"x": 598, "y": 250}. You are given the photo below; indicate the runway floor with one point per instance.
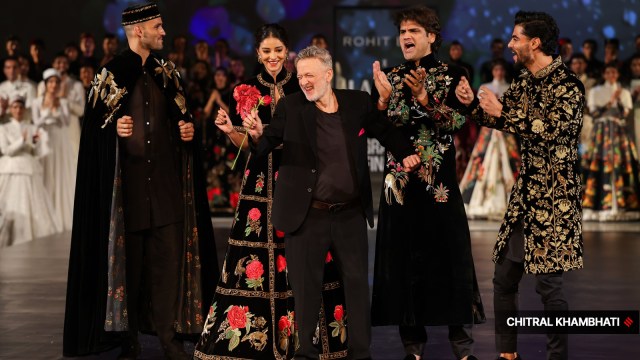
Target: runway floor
{"x": 33, "y": 285}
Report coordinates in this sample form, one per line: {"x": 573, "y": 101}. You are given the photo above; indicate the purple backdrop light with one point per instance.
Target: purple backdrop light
{"x": 210, "y": 24}
{"x": 241, "y": 41}
{"x": 296, "y": 9}
{"x": 271, "y": 11}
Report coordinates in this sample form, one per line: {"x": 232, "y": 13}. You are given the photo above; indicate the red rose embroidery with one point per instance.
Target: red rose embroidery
{"x": 254, "y": 214}
{"x": 281, "y": 262}
{"x": 237, "y": 316}
{"x": 279, "y": 233}
{"x": 246, "y": 173}
{"x": 254, "y": 270}
{"x": 338, "y": 313}
{"x": 283, "y": 324}
{"x": 234, "y": 197}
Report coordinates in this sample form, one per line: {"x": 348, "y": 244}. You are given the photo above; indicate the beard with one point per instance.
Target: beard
{"x": 523, "y": 58}
{"x": 320, "y": 90}
{"x": 150, "y": 43}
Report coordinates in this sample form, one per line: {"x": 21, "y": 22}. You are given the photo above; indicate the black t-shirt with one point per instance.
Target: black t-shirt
{"x": 336, "y": 179}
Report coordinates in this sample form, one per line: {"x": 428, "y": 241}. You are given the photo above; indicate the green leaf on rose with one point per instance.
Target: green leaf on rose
{"x": 234, "y": 342}
{"x": 343, "y": 334}
{"x": 335, "y": 332}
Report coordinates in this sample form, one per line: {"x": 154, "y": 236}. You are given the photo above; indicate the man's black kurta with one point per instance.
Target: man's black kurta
{"x": 96, "y": 302}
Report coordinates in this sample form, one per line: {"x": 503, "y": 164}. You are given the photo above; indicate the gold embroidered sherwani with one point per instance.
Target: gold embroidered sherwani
{"x": 545, "y": 111}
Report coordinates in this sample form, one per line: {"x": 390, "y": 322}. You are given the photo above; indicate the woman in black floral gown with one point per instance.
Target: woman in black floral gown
{"x": 252, "y": 316}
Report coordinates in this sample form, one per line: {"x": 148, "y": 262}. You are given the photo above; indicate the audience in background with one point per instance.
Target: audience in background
{"x": 209, "y": 90}
{"x": 37, "y": 63}
{"x": 109, "y": 48}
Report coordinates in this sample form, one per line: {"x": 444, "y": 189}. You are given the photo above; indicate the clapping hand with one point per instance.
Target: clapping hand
{"x": 415, "y": 81}
{"x": 382, "y": 83}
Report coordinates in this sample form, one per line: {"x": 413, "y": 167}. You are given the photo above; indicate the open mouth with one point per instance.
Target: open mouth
{"x": 409, "y": 45}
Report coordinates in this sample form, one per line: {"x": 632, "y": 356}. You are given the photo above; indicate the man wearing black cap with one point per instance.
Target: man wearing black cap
{"x": 142, "y": 232}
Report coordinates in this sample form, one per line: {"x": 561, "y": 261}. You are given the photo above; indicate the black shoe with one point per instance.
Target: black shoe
{"x": 178, "y": 356}
{"x": 174, "y": 350}
{"x": 130, "y": 350}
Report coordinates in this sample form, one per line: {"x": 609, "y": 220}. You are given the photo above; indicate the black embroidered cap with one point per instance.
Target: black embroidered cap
{"x": 140, "y": 13}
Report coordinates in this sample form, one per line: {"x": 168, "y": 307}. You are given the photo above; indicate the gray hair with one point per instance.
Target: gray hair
{"x": 314, "y": 52}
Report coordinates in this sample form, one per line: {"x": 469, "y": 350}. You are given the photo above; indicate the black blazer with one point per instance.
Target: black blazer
{"x": 294, "y": 125}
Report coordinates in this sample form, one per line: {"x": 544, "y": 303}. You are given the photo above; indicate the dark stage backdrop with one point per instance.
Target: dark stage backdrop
{"x": 359, "y": 32}
{"x": 472, "y": 22}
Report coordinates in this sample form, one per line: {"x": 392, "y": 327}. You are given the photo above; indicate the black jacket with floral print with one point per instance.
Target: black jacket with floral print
{"x": 545, "y": 111}
{"x": 430, "y": 128}
{"x": 424, "y": 272}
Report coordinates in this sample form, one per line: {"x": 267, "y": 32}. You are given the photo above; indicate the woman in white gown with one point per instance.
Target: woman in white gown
{"x": 494, "y": 162}
{"x": 26, "y": 208}
{"x": 610, "y": 164}
{"x": 73, "y": 91}
{"x": 52, "y": 113}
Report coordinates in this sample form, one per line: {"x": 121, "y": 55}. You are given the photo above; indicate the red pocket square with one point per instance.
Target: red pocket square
{"x": 361, "y": 132}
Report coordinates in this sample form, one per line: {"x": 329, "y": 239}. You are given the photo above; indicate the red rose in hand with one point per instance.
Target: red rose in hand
{"x": 266, "y": 100}
{"x": 338, "y": 313}
{"x": 254, "y": 269}
{"x": 254, "y": 214}
{"x": 247, "y": 97}
{"x": 281, "y": 262}
{"x": 237, "y": 316}
{"x": 284, "y": 323}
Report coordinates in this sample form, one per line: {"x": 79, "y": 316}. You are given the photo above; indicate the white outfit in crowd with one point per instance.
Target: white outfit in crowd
{"x": 23, "y": 88}
{"x": 75, "y": 95}
{"x": 60, "y": 166}
{"x": 491, "y": 171}
{"x": 27, "y": 211}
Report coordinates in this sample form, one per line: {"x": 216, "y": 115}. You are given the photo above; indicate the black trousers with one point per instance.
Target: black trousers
{"x": 414, "y": 339}
{"x": 345, "y": 234}
{"x": 507, "y": 276}
{"x": 153, "y": 264}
